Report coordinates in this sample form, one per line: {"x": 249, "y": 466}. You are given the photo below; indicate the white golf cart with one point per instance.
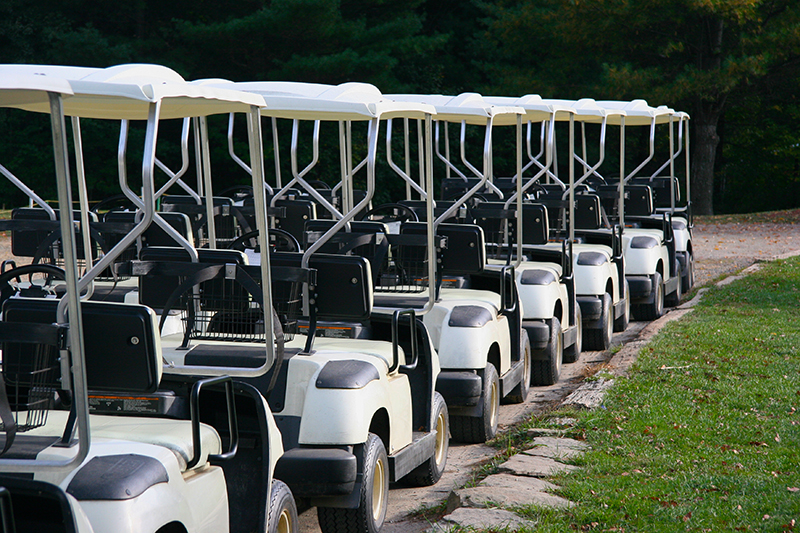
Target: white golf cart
{"x": 545, "y": 279}
{"x": 356, "y": 402}
{"x": 104, "y": 440}
{"x": 598, "y": 261}
{"x": 476, "y": 321}
{"x": 652, "y": 268}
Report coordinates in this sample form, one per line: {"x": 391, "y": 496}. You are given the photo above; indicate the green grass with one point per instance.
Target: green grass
{"x": 704, "y": 434}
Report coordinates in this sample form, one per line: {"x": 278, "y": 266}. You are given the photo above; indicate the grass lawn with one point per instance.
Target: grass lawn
{"x": 704, "y": 435}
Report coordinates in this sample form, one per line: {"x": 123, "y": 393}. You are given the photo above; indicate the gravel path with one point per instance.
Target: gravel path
{"x": 724, "y": 248}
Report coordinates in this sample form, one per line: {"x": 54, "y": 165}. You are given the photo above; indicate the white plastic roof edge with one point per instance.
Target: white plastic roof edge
{"x": 638, "y": 112}
{"x": 126, "y": 92}
{"x": 536, "y": 109}
{"x": 21, "y": 89}
{"x": 314, "y": 101}
{"x": 469, "y": 107}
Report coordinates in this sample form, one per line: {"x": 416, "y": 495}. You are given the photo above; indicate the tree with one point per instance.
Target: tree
{"x": 691, "y": 53}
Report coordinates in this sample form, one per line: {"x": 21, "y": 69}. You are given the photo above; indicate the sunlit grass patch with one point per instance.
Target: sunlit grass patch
{"x": 703, "y": 435}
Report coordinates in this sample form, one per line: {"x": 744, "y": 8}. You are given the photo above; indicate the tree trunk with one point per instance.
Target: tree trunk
{"x": 704, "y": 152}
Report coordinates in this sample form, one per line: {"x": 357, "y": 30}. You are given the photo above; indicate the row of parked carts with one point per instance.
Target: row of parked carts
{"x": 184, "y": 357}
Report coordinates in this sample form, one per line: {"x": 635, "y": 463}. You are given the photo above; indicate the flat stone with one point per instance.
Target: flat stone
{"x": 505, "y": 490}
{"x": 545, "y": 432}
{"x": 553, "y": 452}
{"x": 561, "y": 442}
{"x": 533, "y": 466}
{"x": 482, "y": 519}
{"x": 589, "y": 395}
{"x": 563, "y": 421}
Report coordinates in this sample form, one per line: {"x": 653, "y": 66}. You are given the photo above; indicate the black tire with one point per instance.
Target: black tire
{"x": 478, "y": 429}
{"x": 429, "y": 472}
{"x": 282, "y": 509}
{"x": 573, "y": 353}
{"x": 674, "y": 299}
{"x": 621, "y": 323}
{"x": 372, "y": 503}
{"x": 546, "y": 364}
{"x": 687, "y": 280}
{"x": 653, "y": 310}
{"x": 520, "y": 393}
{"x": 599, "y": 338}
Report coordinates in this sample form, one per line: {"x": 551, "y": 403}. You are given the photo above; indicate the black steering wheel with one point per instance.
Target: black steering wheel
{"x": 391, "y": 213}
{"x": 9, "y": 287}
{"x": 237, "y": 192}
{"x": 118, "y": 202}
{"x": 279, "y": 241}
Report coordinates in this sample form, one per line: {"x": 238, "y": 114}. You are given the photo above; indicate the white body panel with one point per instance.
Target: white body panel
{"x": 592, "y": 280}
{"x": 196, "y": 498}
{"x": 645, "y": 261}
{"x": 540, "y": 301}
{"x": 468, "y": 347}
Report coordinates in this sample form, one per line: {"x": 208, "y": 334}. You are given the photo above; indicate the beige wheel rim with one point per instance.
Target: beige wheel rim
{"x": 378, "y": 491}
{"x": 285, "y": 522}
{"x": 441, "y": 439}
{"x": 495, "y": 396}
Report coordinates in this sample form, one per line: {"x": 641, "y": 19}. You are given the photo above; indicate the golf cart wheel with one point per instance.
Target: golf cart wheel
{"x": 621, "y": 323}
{"x": 282, "y": 509}
{"x": 429, "y": 472}
{"x": 546, "y": 366}
{"x": 519, "y": 393}
{"x": 600, "y": 338}
{"x": 478, "y": 429}
{"x": 373, "y": 500}
{"x": 687, "y": 280}
{"x": 674, "y": 299}
{"x": 573, "y": 353}
{"x": 654, "y": 309}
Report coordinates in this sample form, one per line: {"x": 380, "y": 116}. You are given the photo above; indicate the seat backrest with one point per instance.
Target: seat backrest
{"x": 297, "y": 213}
{"x": 466, "y": 249}
{"x": 25, "y": 242}
{"x": 155, "y": 290}
{"x": 225, "y": 223}
{"x": 153, "y": 235}
{"x": 639, "y": 200}
{"x": 588, "y": 213}
{"x": 344, "y": 284}
{"x": 121, "y": 343}
{"x": 660, "y": 185}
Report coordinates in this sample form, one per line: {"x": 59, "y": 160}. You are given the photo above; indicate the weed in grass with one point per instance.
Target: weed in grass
{"x": 703, "y": 434}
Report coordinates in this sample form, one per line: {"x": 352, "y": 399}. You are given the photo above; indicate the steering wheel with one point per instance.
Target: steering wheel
{"x": 279, "y": 241}
{"x": 118, "y": 202}
{"x": 319, "y": 185}
{"x": 9, "y": 287}
{"x": 237, "y": 192}
{"x": 393, "y": 213}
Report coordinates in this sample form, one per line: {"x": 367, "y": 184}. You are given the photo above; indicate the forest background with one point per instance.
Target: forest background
{"x": 734, "y": 65}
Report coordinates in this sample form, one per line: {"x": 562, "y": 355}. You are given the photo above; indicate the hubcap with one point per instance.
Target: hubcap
{"x": 378, "y": 494}
{"x": 441, "y": 439}
{"x": 285, "y": 522}
{"x": 494, "y": 395}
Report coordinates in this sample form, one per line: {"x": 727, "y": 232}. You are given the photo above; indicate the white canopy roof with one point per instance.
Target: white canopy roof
{"x": 588, "y": 110}
{"x": 536, "y": 108}
{"x": 21, "y": 89}
{"x": 638, "y": 112}
{"x": 314, "y": 101}
{"x": 126, "y": 92}
{"x": 469, "y": 107}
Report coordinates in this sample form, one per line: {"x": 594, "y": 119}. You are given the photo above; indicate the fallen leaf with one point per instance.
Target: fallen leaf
{"x": 793, "y": 489}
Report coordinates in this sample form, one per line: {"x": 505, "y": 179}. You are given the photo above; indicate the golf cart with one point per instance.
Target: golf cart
{"x": 104, "y": 438}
